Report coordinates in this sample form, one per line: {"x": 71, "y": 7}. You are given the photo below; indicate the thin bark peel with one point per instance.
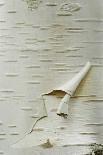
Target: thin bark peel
{"x": 70, "y": 88}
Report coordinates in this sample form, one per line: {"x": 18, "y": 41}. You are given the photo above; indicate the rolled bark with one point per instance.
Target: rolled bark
{"x": 70, "y": 88}
{"x": 63, "y": 106}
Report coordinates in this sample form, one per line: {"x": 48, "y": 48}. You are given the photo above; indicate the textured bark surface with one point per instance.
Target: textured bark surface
{"x": 43, "y": 44}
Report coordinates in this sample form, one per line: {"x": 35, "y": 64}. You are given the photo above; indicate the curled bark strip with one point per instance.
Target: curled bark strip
{"x": 68, "y": 89}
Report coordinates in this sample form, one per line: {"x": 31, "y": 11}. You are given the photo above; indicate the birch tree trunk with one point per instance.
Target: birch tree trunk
{"x": 43, "y": 44}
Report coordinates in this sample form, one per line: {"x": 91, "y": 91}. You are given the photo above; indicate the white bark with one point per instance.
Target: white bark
{"x": 63, "y": 106}
{"x": 70, "y": 88}
{"x": 42, "y": 45}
